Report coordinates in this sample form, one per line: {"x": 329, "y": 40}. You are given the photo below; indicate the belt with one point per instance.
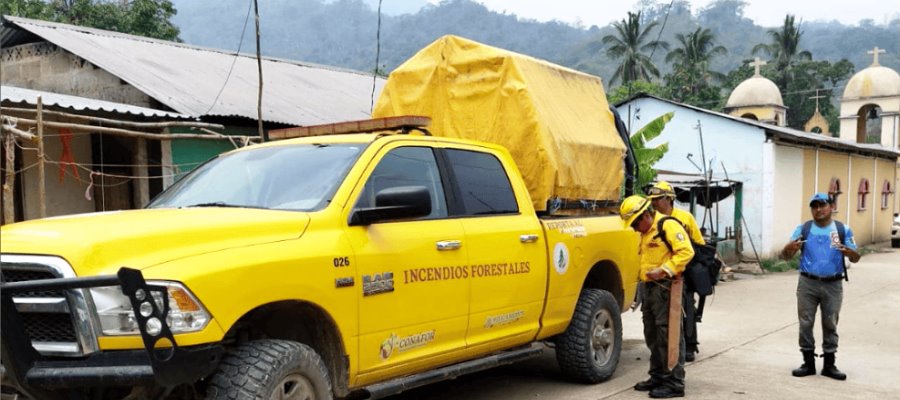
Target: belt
{"x": 822, "y": 278}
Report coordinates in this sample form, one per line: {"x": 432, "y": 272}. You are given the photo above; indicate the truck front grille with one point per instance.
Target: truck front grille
{"x": 21, "y": 273}
{"x": 48, "y": 314}
{"x": 49, "y": 327}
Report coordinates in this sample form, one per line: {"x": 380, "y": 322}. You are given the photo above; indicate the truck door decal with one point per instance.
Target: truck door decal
{"x": 503, "y": 319}
{"x": 574, "y": 228}
{"x": 343, "y": 282}
{"x": 378, "y": 283}
{"x": 560, "y": 258}
{"x": 401, "y": 344}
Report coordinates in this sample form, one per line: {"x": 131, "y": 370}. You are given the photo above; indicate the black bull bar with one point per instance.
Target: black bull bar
{"x": 161, "y": 362}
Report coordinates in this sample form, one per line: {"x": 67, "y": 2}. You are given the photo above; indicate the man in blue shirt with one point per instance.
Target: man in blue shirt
{"x": 821, "y": 272}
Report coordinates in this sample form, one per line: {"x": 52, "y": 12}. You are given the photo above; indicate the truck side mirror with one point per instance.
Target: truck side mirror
{"x": 396, "y": 203}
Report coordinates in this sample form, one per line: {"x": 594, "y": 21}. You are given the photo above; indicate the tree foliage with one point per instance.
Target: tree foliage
{"x": 812, "y": 78}
{"x": 809, "y": 76}
{"x": 799, "y": 78}
{"x": 645, "y": 155}
{"x": 692, "y": 81}
{"x": 624, "y": 91}
{"x": 628, "y": 45}
{"x": 784, "y": 48}
{"x": 150, "y": 18}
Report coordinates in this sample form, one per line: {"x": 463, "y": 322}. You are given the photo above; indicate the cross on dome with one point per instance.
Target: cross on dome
{"x": 817, "y": 97}
{"x": 874, "y": 52}
{"x": 758, "y": 63}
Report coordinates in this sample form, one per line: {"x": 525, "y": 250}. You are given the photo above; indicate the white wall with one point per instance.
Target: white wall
{"x": 787, "y": 196}
{"x": 738, "y": 146}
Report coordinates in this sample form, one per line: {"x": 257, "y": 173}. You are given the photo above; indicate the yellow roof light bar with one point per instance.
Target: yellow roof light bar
{"x": 404, "y": 123}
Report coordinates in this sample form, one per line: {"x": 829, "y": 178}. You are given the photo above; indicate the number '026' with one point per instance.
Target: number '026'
{"x": 341, "y": 262}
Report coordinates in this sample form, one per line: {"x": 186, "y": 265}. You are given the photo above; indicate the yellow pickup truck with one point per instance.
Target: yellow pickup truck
{"x": 325, "y": 266}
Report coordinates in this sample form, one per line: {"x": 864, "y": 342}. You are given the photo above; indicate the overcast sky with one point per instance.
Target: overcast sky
{"x": 768, "y": 13}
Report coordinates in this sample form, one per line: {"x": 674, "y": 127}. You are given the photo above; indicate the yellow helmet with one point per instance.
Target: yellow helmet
{"x": 661, "y": 189}
{"x": 632, "y": 208}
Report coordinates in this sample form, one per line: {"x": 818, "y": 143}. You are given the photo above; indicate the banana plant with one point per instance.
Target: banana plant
{"x": 646, "y": 156}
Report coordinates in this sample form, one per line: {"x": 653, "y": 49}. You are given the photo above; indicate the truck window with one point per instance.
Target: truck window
{"x": 299, "y": 177}
{"x": 482, "y": 182}
{"x": 407, "y": 166}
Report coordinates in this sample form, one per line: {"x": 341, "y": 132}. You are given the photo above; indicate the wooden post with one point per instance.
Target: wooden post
{"x": 42, "y": 190}
{"x": 262, "y": 133}
{"x": 140, "y": 185}
{"x": 675, "y": 316}
{"x": 9, "y": 206}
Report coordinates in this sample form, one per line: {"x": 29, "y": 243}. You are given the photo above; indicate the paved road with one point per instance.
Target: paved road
{"x": 748, "y": 348}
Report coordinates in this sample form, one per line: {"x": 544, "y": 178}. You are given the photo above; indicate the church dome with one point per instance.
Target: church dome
{"x": 874, "y": 81}
{"x": 756, "y": 91}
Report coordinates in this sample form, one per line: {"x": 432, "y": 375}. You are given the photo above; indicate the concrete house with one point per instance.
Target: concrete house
{"x": 777, "y": 169}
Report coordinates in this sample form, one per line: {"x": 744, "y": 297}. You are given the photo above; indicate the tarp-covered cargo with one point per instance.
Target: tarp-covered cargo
{"x": 554, "y": 120}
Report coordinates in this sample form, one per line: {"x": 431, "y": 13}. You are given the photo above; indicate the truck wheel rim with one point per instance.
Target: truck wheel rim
{"x": 602, "y": 337}
{"x": 293, "y": 387}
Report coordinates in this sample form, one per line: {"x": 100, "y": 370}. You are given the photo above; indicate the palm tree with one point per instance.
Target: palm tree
{"x": 691, "y": 62}
{"x": 785, "y": 50}
{"x": 629, "y": 44}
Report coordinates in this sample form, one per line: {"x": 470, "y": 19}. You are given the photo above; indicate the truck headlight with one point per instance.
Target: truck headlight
{"x": 116, "y": 316}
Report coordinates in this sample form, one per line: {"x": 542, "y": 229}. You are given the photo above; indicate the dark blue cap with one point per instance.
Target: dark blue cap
{"x": 819, "y": 197}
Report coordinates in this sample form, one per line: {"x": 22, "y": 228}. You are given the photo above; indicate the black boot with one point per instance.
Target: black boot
{"x": 809, "y": 364}
{"x": 830, "y": 370}
{"x": 648, "y": 385}
{"x": 689, "y": 353}
{"x": 665, "y": 392}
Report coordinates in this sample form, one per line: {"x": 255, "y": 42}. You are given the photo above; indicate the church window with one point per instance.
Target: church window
{"x": 862, "y": 193}
{"x": 886, "y": 192}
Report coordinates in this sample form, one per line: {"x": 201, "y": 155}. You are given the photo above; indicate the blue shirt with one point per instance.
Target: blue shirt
{"x": 819, "y": 256}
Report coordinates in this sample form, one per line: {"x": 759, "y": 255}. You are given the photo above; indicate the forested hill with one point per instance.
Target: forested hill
{"x": 343, "y": 33}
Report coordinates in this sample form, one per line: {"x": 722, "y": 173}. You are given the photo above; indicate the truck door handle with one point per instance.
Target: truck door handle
{"x": 531, "y": 238}
{"x": 449, "y": 245}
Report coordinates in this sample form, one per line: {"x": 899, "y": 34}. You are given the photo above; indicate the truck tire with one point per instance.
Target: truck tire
{"x": 588, "y": 351}
{"x": 895, "y": 243}
{"x": 270, "y": 369}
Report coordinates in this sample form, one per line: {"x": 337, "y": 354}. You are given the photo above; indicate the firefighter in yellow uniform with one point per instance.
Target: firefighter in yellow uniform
{"x": 659, "y": 267}
{"x": 662, "y": 195}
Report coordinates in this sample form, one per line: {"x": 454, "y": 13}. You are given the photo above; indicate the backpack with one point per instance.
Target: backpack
{"x": 702, "y": 273}
{"x": 842, "y": 234}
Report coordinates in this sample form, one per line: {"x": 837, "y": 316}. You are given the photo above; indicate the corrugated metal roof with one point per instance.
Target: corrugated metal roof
{"x": 17, "y": 95}
{"x": 188, "y": 78}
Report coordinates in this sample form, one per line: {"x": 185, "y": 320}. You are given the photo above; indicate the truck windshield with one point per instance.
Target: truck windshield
{"x": 300, "y": 177}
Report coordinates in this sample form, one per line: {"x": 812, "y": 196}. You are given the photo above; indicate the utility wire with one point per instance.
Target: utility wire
{"x": 663, "y": 27}
{"x": 713, "y": 102}
{"x": 377, "y": 56}
{"x": 236, "y": 56}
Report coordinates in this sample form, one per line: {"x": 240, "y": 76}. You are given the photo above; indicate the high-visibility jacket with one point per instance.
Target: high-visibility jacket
{"x": 690, "y": 225}
{"x": 654, "y": 252}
